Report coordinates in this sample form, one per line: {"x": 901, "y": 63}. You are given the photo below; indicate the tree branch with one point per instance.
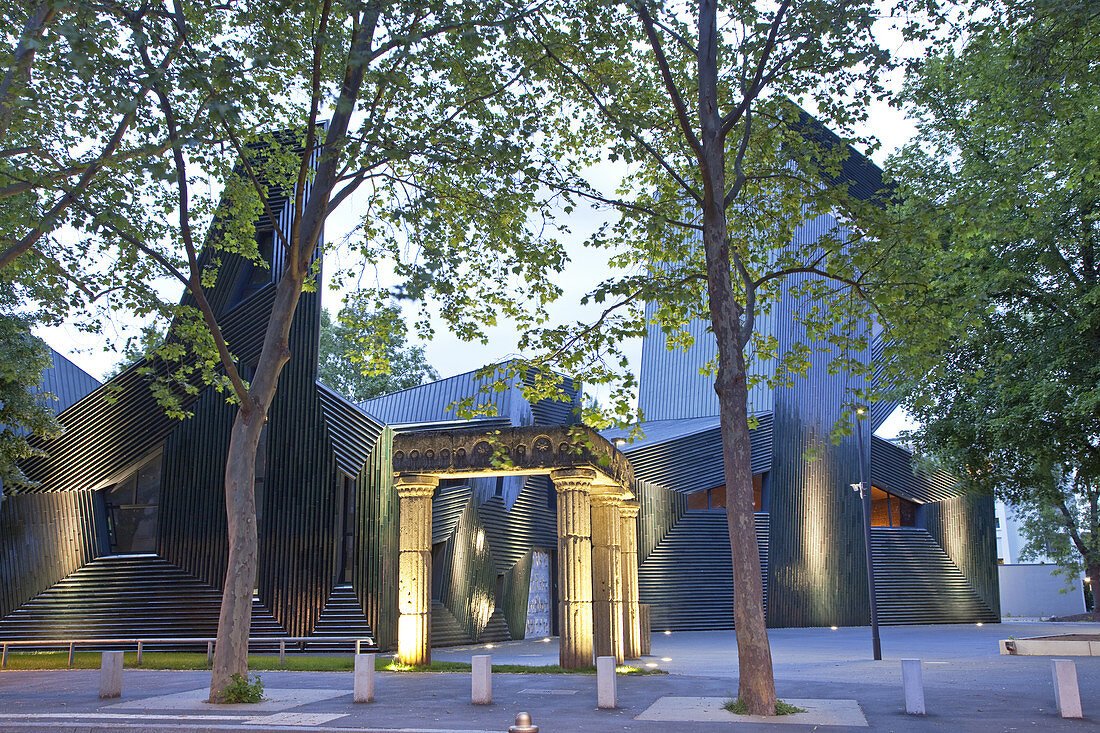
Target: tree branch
{"x": 194, "y": 282}
{"x": 758, "y": 82}
{"x": 630, "y": 132}
{"x": 10, "y": 254}
{"x": 595, "y": 325}
{"x": 666, "y": 76}
{"x": 21, "y": 60}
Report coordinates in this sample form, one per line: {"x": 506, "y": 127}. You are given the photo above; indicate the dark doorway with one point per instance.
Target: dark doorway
{"x": 345, "y": 561}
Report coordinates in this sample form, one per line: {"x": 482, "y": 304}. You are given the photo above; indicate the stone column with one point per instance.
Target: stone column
{"x": 414, "y": 580}
{"x": 574, "y": 489}
{"x": 632, "y": 629}
{"x": 607, "y": 575}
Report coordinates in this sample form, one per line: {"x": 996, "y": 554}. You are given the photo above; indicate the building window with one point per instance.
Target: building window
{"x": 133, "y": 509}
{"x": 716, "y": 498}
{"x": 890, "y": 510}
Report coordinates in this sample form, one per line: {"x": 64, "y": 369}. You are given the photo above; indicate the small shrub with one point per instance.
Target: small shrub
{"x": 737, "y": 707}
{"x": 246, "y": 688}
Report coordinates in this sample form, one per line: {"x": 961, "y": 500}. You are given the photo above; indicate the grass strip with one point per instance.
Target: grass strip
{"x": 270, "y": 662}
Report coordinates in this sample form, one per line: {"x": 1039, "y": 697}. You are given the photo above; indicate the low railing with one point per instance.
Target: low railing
{"x": 72, "y": 644}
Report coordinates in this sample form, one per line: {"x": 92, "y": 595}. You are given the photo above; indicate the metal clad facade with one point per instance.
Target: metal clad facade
{"x": 193, "y": 534}
{"x": 556, "y": 412}
{"x": 671, "y": 385}
{"x": 112, "y": 428}
{"x": 530, "y": 523}
{"x": 45, "y": 538}
{"x": 298, "y": 537}
{"x": 67, "y": 382}
{"x": 693, "y": 461}
{"x": 661, "y": 509}
{"x": 964, "y": 526}
{"x": 467, "y": 579}
{"x": 884, "y": 408}
{"x": 375, "y": 574}
{"x": 352, "y": 431}
{"x": 892, "y": 469}
{"x": 483, "y": 541}
{"x": 433, "y": 402}
{"x": 447, "y": 507}
{"x": 816, "y": 547}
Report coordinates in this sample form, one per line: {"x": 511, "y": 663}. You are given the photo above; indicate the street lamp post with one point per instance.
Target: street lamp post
{"x": 865, "y": 498}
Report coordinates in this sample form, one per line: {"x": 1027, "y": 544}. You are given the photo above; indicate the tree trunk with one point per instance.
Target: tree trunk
{"x": 755, "y": 680}
{"x": 235, "y": 619}
{"x": 756, "y": 684}
{"x": 1093, "y": 573}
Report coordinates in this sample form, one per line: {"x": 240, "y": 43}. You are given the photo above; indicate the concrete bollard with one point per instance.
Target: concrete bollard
{"x": 1067, "y": 696}
{"x": 605, "y": 682}
{"x": 364, "y": 678}
{"x": 110, "y": 675}
{"x": 913, "y": 685}
{"x": 481, "y": 679}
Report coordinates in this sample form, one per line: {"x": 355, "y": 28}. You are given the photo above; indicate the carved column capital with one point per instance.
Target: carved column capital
{"x": 573, "y": 479}
{"x": 415, "y": 485}
{"x": 630, "y": 509}
{"x": 607, "y": 499}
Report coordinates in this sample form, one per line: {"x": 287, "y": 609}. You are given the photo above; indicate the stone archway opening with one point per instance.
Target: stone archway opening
{"x": 596, "y": 530}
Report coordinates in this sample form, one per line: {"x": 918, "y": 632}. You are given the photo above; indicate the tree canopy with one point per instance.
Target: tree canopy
{"x": 24, "y": 409}
{"x": 364, "y": 353}
{"x": 700, "y": 101}
{"x": 1004, "y": 175}
{"x": 159, "y": 134}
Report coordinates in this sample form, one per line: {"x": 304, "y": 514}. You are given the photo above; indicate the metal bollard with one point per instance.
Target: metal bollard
{"x": 523, "y": 725}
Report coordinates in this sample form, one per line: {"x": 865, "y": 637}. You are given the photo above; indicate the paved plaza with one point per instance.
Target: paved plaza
{"x": 969, "y": 686}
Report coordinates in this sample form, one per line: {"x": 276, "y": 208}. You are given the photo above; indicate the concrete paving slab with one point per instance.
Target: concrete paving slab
{"x": 711, "y": 710}
{"x": 306, "y": 719}
{"x": 969, "y": 688}
{"x": 275, "y": 700}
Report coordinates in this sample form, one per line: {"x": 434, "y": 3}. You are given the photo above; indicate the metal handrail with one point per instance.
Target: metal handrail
{"x": 208, "y": 640}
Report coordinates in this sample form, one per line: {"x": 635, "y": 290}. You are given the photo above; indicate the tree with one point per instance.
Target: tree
{"x": 722, "y": 167}
{"x": 423, "y": 104}
{"x": 363, "y": 354}
{"x": 1004, "y": 174}
{"x": 24, "y": 410}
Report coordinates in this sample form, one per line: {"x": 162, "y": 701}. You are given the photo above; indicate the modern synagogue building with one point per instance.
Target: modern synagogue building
{"x": 390, "y": 519}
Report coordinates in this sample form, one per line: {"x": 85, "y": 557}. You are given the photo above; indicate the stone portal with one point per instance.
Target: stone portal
{"x": 592, "y": 480}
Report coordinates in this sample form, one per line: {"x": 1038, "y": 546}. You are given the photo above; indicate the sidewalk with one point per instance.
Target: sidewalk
{"x": 968, "y": 687}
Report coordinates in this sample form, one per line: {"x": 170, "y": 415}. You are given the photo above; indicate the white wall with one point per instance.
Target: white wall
{"x": 1036, "y": 591}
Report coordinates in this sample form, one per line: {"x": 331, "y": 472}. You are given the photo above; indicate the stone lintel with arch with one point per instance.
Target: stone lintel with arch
{"x": 594, "y": 485}
{"x": 536, "y": 449}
